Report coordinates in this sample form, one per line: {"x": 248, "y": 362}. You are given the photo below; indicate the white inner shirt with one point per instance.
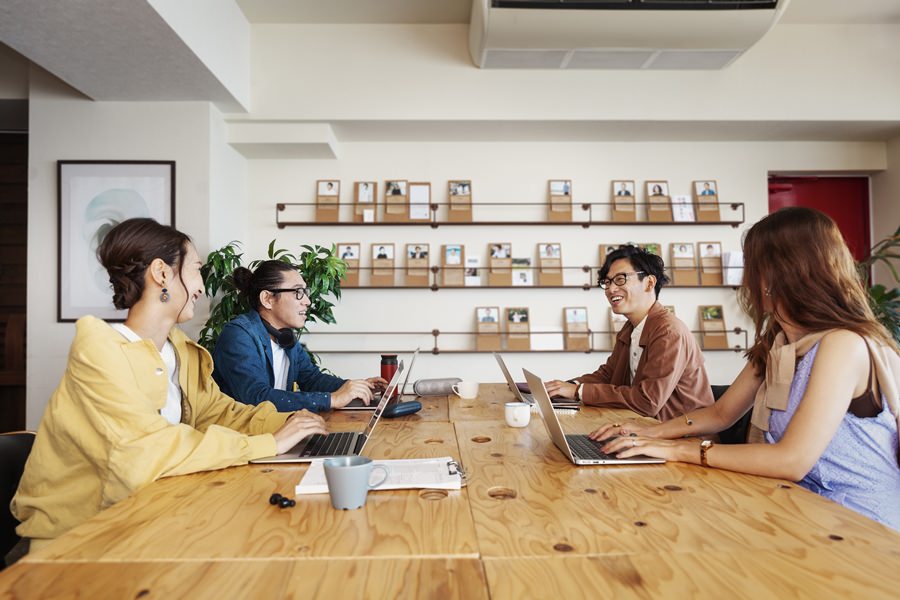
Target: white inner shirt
{"x": 636, "y": 350}
{"x": 171, "y": 412}
{"x": 280, "y": 365}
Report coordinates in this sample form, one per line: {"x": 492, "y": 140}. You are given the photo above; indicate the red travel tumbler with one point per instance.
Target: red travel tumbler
{"x": 388, "y": 366}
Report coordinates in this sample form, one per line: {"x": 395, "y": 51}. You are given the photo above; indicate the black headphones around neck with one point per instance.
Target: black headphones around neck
{"x": 285, "y": 338}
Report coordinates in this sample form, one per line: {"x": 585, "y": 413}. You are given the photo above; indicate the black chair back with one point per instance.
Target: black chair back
{"x": 737, "y": 433}
{"x": 14, "y": 450}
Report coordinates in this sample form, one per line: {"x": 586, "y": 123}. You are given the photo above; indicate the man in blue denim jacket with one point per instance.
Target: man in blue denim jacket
{"x": 258, "y": 358}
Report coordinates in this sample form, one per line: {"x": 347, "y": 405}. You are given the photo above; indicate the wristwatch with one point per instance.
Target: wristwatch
{"x": 705, "y": 445}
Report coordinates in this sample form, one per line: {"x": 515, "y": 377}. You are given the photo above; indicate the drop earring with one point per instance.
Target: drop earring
{"x": 767, "y": 292}
{"x": 164, "y": 296}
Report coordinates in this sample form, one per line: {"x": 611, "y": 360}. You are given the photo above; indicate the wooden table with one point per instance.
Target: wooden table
{"x": 529, "y": 524}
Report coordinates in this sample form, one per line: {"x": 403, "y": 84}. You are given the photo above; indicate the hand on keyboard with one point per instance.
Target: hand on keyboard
{"x": 297, "y": 428}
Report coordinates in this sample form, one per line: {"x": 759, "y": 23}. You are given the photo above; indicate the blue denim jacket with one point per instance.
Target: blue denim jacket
{"x": 243, "y": 369}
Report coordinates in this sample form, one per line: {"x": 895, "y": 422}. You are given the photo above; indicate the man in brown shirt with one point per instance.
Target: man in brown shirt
{"x": 656, "y": 367}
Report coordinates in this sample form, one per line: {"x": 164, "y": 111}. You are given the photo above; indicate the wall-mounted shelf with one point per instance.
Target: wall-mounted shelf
{"x": 599, "y": 341}
{"x": 434, "y": 222}
{"x": 587, "y": 285}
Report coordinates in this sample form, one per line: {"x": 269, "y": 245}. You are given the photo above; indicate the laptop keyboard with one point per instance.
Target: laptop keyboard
{"x": 333, "y": 444}
{"x": 584, "y": 447}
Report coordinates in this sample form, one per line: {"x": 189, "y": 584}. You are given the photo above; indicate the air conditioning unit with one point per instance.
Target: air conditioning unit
{"x": 617, "y": 34}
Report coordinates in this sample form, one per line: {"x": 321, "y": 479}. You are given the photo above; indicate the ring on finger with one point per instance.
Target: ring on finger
{"x": 633, "y": 443}
{"x": 617, "y": 424}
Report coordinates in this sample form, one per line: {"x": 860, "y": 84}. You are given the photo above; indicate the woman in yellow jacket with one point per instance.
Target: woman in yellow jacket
{"x": 137, "y": 401}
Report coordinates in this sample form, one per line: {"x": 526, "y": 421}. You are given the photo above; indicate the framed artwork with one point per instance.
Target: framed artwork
{"x": 93, "y": 197}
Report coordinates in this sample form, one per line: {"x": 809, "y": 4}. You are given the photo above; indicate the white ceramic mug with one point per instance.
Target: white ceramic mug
{"x": 467, "y": 390}
{"x": 518, "y": 414}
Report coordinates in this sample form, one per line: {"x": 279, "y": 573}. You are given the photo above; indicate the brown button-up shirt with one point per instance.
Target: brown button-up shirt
{"x": 670, "y": 379}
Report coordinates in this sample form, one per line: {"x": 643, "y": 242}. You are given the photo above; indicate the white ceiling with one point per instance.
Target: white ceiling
{"x": 123, "y": 50}
{"x": 848, "y": 12}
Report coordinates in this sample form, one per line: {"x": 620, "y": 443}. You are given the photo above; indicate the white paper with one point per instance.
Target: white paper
{"x": 415, "y": 473}
{"x": 419, "y": 201}
{"x": 733, "y": 264}
{"x": 682, "y": 209}
{"x": 473, "y": 271}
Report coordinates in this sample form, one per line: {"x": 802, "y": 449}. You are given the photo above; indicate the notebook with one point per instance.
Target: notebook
{"x": 342, "y": 443}
{"x": 376, "y": 398}
{"x": 565, "y": 405}
{"x": 578, "y": 448}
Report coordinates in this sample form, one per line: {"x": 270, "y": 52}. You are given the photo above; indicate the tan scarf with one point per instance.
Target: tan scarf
{"x": 774, "y": 391}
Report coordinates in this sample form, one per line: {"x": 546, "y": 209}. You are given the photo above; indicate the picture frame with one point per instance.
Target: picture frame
{"x": 349, "y": 252}
{"x": 549, "y": 271}
{"x": 576, "y": 334}
{"x": 382, "y": 265}
{"x": 487, "y": 328}
{"x": 559, "y": 201}
{"x": 396, "y": 201}
{"x": 659, "y": 204}
{"x": 624, "y": 209}
{"x": 417, "y": 264}
{"x": 706, "y": 199}
{"x": 92, "y": 197}
{"x": 459, "y": 193}
{"x": 328, "y": 200}
{"x": 365, "y": 201}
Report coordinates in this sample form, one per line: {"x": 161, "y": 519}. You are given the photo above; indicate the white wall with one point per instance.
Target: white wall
{"x": 384, "y": 72}
{"x": 66, "y": 126}
{"x": 218, "y": 33}
{"x": 518, "y": 172}
{"x": 886, "y": 206}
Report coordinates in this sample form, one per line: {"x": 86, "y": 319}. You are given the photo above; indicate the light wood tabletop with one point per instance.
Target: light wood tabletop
{"x": 404, "y": 578}
{"x": 820, "y": 573}
{"x": 225, "y": 514}
{"x": 529, "y": 524}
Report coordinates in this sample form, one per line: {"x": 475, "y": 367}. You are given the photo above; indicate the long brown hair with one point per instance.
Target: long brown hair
{"x": 800, "y": 257}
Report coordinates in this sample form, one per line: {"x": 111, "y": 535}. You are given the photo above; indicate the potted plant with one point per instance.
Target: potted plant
{"x": 885, "y": 302}
{"x": 320, "y": 267}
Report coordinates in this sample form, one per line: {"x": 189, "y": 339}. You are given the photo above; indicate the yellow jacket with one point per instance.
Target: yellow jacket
{"x": 102, "y": 438}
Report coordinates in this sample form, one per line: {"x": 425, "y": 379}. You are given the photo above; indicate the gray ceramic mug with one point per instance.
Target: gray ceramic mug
{"x": 348, "y": 480}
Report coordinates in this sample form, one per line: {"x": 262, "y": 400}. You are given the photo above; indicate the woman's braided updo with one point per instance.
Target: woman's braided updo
{"x": 130, "y": 247}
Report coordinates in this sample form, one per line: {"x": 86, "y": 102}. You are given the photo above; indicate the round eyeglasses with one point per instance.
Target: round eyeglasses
{"x": 618, "y": 279}
{"x": 299, "y": 293}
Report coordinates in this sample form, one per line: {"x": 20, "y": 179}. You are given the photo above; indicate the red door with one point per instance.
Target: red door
{"x": 844, "y": 199}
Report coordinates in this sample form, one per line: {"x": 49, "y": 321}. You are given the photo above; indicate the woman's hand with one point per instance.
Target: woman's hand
{"x": 681, "y": 450}
{"x": 297, "y": 428}
{"x": 625, "y": 428}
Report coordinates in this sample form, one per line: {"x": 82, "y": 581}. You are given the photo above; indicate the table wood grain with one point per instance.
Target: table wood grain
{"x": 528, "y": 500}
{"x": 461, "y": 579}
{"x": 226, "y": 515}
{"x": 832, "y": 571}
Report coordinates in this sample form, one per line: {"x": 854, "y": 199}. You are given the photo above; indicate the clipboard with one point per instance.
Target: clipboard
{"x": 443, "y": 473}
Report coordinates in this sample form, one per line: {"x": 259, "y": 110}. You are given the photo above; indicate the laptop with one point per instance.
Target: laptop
{"x": 358, "y": 404}
{"x": 526, "y": 397}
{"x": 340, "y": 443}
{"x": 580, "y": 449}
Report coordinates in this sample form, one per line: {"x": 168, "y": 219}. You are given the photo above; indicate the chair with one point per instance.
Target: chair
{"x": 737, "y": 433}
{"x": 14, "y": 450}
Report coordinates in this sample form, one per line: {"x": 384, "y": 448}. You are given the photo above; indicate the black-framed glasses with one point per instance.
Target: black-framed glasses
{"x": 299, "y": 293}
{"x": 619, "y": 279}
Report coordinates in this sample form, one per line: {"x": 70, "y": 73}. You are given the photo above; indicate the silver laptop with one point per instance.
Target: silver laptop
{"x": 580, "y": 449}
{"x": 528, "y": 398}
{"x": 358, "y": 404}
{"x": 341, "y": 443}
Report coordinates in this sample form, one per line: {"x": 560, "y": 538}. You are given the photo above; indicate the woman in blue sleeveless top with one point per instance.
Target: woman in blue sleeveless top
{"x": 822, "y": 377}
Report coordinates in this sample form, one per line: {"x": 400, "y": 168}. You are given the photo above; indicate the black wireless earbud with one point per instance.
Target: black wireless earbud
{"x": 285, "y": 338}
{"x": 279, "y": 500}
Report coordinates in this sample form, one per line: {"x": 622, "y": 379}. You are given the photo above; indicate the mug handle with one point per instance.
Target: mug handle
{"x": 387, "y": 473}
{"x": 455, "y": 389}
